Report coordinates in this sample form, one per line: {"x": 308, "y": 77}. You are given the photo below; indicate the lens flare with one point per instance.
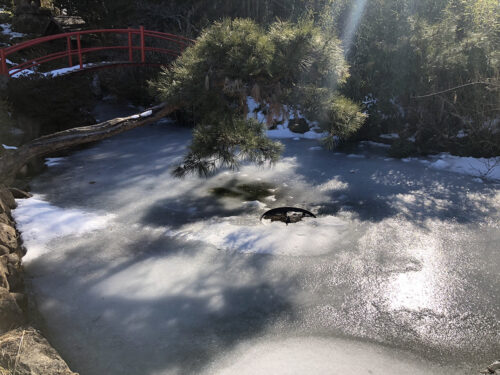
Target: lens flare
{"x": 352, "y": 24}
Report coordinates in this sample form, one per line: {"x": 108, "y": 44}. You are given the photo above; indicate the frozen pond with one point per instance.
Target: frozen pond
{"x": 136, "y": 272}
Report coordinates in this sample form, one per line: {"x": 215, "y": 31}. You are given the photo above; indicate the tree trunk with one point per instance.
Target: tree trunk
{"x": 11, "y": 161}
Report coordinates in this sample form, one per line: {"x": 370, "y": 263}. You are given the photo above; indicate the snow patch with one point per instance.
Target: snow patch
{"x": 477, "y": 167}
{"x": 375, "y": 144}
{"x": 389, "y": 136}
{"x": 53, "y": 73}
{"x": 9, "y": 147}
{"x": 40, "y": 222}
{"x": 51, "y": 162}
{"x": 318, "y": 355}
{"x": 310, "y": 237}
{"x": 141, "y": 115}
{"x": 7, "y": 30}
{"x": 282, "y": 131}
{"x": 356, "y": 156}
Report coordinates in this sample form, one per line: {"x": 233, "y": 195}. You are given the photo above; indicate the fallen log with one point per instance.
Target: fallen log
{"x": 11, "y": 161}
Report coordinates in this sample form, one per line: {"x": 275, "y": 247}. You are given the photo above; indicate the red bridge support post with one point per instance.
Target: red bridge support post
{"x": 70, "y": 58}
{"x": 3, "y": 67}
{"x": 143, "y": 50}
{"x": 130, "y": 50}
{"x": 79, "y": 44}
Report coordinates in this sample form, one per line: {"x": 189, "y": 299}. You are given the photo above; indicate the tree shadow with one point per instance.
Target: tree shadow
{"x": 146, "y": 310}
{"x": 375, "y": 189}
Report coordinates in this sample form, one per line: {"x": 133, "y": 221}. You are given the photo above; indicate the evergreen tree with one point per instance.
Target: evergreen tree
{"x": 291, "y": 64}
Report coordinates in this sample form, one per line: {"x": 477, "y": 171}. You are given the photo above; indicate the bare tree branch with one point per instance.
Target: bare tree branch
{"x": 486, "y": 83}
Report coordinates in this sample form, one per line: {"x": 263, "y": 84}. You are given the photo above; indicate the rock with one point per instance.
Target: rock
{"x": 4, "y": 219}
{"x": 494, "y": 368}
{"x": 7, "y": 197}
{"x": 13, "y": 259}
{"x": 8, "y": 236}
{"x": 20, "y": 194}
{"x": 11, "y": 315}
{"x": 4, "y": 273}
{"x": 298, "y": 125}
{"x": 4, "y": 208}
{"x": 15, "y": 277}
{"x": 36, "y": 356}
{"x": 4, "y": 250}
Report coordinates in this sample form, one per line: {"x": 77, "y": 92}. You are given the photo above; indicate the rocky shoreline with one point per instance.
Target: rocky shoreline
{"x": 23, "y": 349}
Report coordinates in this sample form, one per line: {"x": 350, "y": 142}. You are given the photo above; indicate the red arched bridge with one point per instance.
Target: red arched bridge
{"x": 74, "y": 50}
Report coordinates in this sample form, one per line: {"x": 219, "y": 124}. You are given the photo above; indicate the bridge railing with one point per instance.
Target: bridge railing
{"x": 72, "y": 54}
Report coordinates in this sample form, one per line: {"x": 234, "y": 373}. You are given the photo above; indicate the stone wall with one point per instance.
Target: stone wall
{"x": 23, "y": 350}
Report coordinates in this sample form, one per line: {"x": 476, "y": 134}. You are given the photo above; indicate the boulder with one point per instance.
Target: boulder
{"x": 5, "y": 219}
{"x": 7, "y": 197}
{"x": 8, "y": 236}
{"x": 15, "y": 277}
{"x": 20, "y": 194}
{"x": 31, "y": 354}
{"x": 11, "y": 315}
{"x": 4, "y": 250}
{"x": 4, "y": 273}
{"x": 298, "y": 125}
{"x": 4, "y": 208}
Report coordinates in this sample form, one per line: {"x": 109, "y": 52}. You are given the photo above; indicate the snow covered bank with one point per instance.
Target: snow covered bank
{"x": 40, "y": 222}
{"x": 478, "y": 167}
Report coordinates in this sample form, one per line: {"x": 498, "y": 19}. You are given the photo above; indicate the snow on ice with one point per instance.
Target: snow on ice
{"x": 40, "y": 222}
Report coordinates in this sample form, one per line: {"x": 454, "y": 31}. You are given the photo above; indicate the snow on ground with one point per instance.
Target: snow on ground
{"x": 389, "y": 136}
{"x": 282, "y": 131}
{"x": 356, "y": 156}
{"x": 310, "y": 237}
{"x": 478, "y": 167}
{"x": 51, "y": 162}
{"x": 9, "y": 147}
{"x": 375, "y": 144}
{"x": 53, "y": 73}
{"x": 7, "y": 30}
{"x": 40, "y": 222}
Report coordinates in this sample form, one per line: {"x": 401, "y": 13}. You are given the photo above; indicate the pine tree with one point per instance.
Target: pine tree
{"x": 290, "y": 64}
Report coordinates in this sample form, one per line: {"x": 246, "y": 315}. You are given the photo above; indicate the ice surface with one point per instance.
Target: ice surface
{"x": 310, "y": 237}
{"x": 182, "y": 281}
